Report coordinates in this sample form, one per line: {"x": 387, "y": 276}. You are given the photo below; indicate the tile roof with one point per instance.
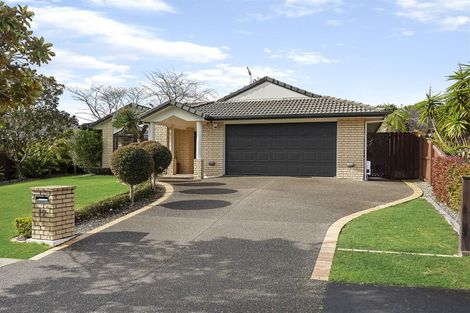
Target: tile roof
{"x": 321, "y": 106}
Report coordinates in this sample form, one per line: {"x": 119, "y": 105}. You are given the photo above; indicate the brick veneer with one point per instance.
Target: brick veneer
{"x": 213, "y": 149}
{"x": 106, "y": 128}
{"x": 161, "y": 134}
{"x": 56, "y": 219}
{"x": 350, "y": 148}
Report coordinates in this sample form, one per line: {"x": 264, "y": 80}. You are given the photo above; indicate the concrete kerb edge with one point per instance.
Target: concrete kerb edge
{"x": 166, "y": 195}
{"x": 324, "y": 261}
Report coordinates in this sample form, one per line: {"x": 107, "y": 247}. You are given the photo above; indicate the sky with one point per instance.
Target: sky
{"x": 375, "y": 52}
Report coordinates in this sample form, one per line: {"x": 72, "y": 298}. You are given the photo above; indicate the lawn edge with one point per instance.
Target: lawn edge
{"x": 165, "y": 196}
{"x": 322, "y": 268}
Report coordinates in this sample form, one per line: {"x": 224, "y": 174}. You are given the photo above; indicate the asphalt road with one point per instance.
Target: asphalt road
{"x": 233, "y": 244}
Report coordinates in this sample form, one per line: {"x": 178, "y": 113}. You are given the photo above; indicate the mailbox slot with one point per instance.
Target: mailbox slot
{"x": 42, "y": 199}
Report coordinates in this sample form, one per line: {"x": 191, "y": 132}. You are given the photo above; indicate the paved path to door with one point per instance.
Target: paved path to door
{"x": 234, "y": 244}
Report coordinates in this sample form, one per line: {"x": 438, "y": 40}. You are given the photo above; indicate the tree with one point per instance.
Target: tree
{"x": 128, "y": 119}
{"x": 429, "y": 110}
{"x": 176, "y": 86}
{"x": 86, "y": 148}
{"x": 132, "y": 165}
{"x": 161, "y": 156}
{"x": 20, "y": 53}
{"x": 396, "y": 120}
{"x": 24, "y": 126}
{"x": 101, "y": 101}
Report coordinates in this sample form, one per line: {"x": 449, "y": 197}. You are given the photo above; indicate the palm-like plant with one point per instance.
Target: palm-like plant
{"x": 397, "y": 121}
{"x": 429, "y": 111}
{"x": 128, "y": 119}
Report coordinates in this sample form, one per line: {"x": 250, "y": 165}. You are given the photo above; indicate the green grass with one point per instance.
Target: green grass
{"x": 15, "y": 201}
{"x": 411, "y": 227}
{"x": 401, "y": 270}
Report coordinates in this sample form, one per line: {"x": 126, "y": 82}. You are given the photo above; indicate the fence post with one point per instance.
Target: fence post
{"x": 464, "y": 242}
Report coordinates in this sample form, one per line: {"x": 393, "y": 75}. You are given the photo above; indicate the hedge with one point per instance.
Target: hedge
{"x": 116, "y": 203}
{"x": 447, "y": 180}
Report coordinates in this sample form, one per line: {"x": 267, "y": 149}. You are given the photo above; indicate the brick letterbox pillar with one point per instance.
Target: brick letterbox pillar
{"x": 53, "y": 214}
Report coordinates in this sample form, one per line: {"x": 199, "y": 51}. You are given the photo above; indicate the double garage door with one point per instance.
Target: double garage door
{"x": 298, "y": 149}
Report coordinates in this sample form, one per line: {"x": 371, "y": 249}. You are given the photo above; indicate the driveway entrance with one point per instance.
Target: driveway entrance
{"x": 233, "y": 244}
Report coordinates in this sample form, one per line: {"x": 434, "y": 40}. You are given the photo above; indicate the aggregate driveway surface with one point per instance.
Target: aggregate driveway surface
{"x": 233, "y": 244}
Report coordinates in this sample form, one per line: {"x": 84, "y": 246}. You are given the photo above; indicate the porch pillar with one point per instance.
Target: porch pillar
{"x": 198, "y": 162}
{"x": 171, "y": 146}
{"x": 152, "y": 131}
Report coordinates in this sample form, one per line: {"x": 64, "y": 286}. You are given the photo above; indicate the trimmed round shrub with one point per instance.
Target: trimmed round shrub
{"x": 132, "y": 165}
{"x": 160, "y": 154}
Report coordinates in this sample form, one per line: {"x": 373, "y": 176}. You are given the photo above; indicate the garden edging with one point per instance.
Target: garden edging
{"x": 324, "y": 260}
{"x": 168, "y": 192}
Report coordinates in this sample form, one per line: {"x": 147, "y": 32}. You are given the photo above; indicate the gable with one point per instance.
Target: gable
{"x": 267, "y": 90}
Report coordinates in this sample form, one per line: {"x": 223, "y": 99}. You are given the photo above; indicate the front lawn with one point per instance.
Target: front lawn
{"x": 16, "y": 202}
{"x": 410, "y": 227}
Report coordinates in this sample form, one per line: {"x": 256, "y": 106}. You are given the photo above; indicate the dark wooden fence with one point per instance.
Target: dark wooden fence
{"x": 394, "y": 155}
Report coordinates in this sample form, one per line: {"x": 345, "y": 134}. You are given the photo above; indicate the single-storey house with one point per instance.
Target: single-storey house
{"x": 265, "y": 128}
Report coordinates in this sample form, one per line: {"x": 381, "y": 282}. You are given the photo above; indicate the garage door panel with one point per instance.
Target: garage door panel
{"x": 301, "y": 149}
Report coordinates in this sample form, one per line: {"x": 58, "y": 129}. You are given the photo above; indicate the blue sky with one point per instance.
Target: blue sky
{"x": 382, "y": 51}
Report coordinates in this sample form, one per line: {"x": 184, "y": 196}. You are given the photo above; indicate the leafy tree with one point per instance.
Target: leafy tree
{"x": 397, "y": 120}
{"x": 161, "y": 156}
{"x": 86, "y": 148}
{"x": 132, "y": 165}
{"x": 23, "y": 127}
{"x": 128, "y": 119}
{"x": 20, "y": 52}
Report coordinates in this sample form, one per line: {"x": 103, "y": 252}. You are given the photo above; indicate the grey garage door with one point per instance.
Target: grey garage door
{"x": 300, "y": 149}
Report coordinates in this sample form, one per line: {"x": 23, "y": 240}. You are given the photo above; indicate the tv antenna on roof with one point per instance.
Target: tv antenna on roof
{"x": 249, "y": 73}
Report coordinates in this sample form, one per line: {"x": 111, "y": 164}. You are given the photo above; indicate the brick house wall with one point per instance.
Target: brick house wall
{"x": 350, "y": 148}
{"x": 106, "y": 128}
{"x": 161, "y": 134}
{"x": 213, "y": 149}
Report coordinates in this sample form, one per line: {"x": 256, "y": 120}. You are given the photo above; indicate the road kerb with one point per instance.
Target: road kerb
{"x": 324, "y": 261}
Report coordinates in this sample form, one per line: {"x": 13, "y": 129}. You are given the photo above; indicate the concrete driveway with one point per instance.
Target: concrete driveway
{"x": 233, "y": 244}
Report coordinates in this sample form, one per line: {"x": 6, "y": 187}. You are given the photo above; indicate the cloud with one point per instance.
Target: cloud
{"x": 75, "y": 69}
{"x": 226, "y": 78}
{"x": 407, "y": 32}
{"x": 446, "y": 14}
{"x": 128, "y": 38}
{"x": 300, "y": 57}
{"x": 299, "y": 8}
{"x": 147, "y": 5}
{"x": 334, "y": 23}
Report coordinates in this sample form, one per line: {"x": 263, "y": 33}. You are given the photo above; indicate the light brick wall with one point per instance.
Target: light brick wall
{"x": 56, "y": 219}
{"x": 350, "y": 149}
{"x": 184, "y": 150}
{"x": 213, "y": 149}
{"x": 161, "y": 134}
{"x": 106, "y": 128}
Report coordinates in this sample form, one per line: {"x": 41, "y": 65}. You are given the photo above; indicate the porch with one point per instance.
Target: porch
{"x": 182, "y": 134}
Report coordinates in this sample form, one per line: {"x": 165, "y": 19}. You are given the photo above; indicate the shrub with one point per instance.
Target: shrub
{"x": 132, "y": 165}
{"x": 101, "y": 171}
{"x": 24, "y": 226}
{"x": 160, "y": 155}
{"x": 116, "y": 203}
{"x": 2, "y": 173}
{"x": 447, "y": 180}
{"x": 86, "y": 148}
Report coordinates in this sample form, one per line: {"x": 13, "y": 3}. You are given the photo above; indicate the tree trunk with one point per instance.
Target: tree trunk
{"x": 131, "y": 194}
